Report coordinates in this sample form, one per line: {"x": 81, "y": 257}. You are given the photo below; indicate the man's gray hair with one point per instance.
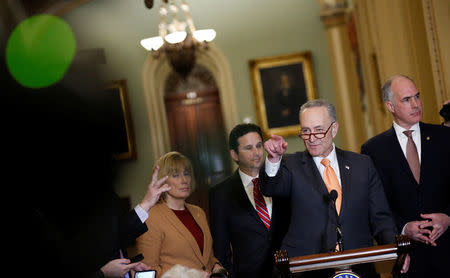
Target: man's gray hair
{"x": 320, "y": 103}
{"x": 386, "y": 92}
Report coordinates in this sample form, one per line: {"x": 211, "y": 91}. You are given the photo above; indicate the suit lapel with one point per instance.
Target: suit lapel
{"x": 426, "y": 149}
{"x": 204, "y": 227}
{"x": 312, "y": 174}
{"x": 183, "y": 231}
{"x": 241, "y": 196}
{"x": 396, "y": 151}
{"x": 345, "y": 168}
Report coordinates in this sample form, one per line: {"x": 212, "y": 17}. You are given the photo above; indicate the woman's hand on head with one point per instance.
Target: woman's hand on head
{"x": 154, "y": 190}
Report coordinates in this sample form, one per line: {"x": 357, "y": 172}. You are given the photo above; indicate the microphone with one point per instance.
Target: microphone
{"x": 340, "y": 236}
{"x": 333, "y": 196}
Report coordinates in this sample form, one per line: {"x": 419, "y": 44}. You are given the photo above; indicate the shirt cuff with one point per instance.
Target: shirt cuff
{"x": 142, "y": 214}
{"x": 272, "y": 168}
{"x": 403, "y": 230}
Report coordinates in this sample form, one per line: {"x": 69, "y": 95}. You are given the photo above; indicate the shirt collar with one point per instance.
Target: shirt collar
{"x": 331, "y": 156}
{"x": 246, "y": 179}
{"x": 399, "y": 130}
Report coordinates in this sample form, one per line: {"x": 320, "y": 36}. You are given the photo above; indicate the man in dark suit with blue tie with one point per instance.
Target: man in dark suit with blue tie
{"x": 360, "y": 211}
{"x": 413, "y": 160}
{"x": 247, "y": 227}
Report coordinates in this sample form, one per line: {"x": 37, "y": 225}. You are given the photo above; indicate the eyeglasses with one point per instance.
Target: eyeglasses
{"x": 318, "y": 135}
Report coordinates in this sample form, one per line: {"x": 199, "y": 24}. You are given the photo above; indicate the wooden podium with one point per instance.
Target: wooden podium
{"x": 342, "y": 261}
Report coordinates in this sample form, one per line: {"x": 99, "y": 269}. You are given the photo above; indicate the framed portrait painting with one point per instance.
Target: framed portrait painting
{"x": 115, "y": 97}
{"x": 281, "y": 84}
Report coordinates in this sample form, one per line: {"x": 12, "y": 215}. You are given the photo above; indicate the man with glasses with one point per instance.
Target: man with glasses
{"x": 337, "y": 198}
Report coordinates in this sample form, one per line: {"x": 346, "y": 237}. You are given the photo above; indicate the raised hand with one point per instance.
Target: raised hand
{"x": 275, "y": 147}
{"x": 155, "y": 188}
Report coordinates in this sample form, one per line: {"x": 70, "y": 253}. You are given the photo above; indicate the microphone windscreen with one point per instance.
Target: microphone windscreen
{"x": 333, "y": 195}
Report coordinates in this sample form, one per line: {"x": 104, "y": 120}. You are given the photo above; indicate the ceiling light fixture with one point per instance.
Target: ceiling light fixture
{"x": 178, "y": 38}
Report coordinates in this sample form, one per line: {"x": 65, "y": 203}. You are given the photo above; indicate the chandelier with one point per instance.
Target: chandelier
{"x": 178, "y": 38}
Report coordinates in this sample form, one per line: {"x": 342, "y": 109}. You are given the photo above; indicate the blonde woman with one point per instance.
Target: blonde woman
{"x": 178, "y": 232}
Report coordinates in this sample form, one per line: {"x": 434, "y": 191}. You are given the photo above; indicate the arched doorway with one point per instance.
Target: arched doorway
{"x": 154, "y": 75}
{"x": 196, "y": 128}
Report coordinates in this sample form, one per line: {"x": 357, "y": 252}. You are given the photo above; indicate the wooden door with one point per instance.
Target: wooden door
{"x": 197, "y": 130}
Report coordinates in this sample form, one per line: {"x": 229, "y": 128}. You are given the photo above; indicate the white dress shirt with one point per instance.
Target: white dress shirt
{"x": 272, "y": 168}
{"x": 143, "y": 215}
{"x": 248, "y": 187}
{"x": 403, "y": 139}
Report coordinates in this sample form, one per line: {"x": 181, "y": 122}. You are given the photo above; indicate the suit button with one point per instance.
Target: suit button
{"x": 204, "y": 267}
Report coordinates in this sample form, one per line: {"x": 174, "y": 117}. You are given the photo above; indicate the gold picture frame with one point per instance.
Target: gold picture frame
{"x": 123, "y": 141}
{"x": 281, "y": 84}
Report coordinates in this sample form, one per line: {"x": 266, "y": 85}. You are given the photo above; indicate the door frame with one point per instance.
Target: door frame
{"x": 155, "y": 72}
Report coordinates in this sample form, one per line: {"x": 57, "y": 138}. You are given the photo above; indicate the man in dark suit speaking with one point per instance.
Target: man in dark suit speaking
{"x": 413, "y": 160}
{"x": 246, "y": 227}
{"x": 360, "y": 210}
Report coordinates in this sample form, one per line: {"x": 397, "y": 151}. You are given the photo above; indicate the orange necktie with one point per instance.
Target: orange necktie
{"x": 331, "y": 181}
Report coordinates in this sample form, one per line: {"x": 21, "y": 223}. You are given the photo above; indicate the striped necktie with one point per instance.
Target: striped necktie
{"x": 260, "y": 204}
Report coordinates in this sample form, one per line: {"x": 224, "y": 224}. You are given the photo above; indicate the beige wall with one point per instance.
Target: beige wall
{"x": 336, "y": 17}
{"x": 394, "y": 39}
{"x": 245, "y": 30}
{"x": 437, "y": 21}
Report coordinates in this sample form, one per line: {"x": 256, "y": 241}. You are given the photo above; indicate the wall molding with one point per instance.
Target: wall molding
{"x": 154, "y": 73}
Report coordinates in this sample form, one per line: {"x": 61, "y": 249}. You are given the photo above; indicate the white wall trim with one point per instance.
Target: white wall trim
{"x": 154, "y": 74}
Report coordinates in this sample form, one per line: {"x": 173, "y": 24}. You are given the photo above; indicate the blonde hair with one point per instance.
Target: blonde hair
{"x": 175, "y": 162}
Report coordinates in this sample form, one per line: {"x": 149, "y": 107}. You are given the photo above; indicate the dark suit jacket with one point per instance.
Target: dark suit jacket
{"x": 241, "y": 241}
{"x": 406, "y": 198}
{"x": 93, "y": 241}
{"x": 364, "y": 211}
{"x": 111, "y": 228}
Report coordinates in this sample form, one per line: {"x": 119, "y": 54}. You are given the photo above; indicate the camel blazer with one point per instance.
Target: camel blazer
{"x": 168, "y": 242}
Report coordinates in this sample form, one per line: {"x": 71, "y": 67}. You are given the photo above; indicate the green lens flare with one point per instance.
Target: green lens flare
{"x": 40, "y": 50}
